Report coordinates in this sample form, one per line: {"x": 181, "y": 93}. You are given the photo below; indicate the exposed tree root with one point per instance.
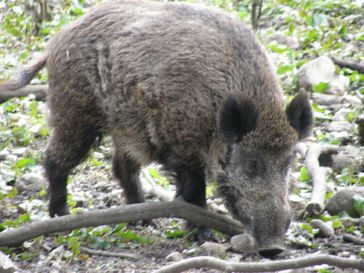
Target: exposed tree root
{"x": 318, "y": 174}
{"x": 225, "y": 266}
{"x": 39, "y": 90}
{"x": 122, "y": 214}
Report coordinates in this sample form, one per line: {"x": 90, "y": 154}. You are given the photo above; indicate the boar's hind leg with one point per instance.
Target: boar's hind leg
{"x": 64, "y": 152}
{"x": 126, "y": 171}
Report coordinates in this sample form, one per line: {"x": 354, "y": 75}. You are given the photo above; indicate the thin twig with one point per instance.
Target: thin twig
{"x": 107, "y": 253}
{"x": 225, "y": 266}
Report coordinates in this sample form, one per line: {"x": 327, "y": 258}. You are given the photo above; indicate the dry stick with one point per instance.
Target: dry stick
{"x": 39, "y": 90}
{"x": 318, "y": 174}
{"x": 122, "y": 214}
{"x": 214, "y": 263}
{"x": 107, "y": 253}
{"x": 352, "y": 65}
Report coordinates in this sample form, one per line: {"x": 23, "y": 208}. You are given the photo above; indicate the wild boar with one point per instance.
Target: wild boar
{"x": 185, "y": 86}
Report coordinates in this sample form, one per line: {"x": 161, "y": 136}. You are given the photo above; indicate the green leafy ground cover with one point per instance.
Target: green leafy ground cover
{"x": 334, "y": 28}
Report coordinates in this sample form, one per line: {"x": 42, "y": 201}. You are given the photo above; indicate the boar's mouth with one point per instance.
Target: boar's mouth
{"x": 271, "y": 249}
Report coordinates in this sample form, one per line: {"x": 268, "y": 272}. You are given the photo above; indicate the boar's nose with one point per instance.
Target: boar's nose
{"x": 271, "y": 251}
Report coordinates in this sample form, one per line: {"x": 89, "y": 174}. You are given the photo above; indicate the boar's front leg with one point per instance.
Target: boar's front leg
{"x": 126, "y": 171}
{"x": 192, "y": 188}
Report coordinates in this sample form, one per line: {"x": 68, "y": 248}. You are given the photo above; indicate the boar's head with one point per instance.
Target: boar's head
{"x": 255, "y": 163}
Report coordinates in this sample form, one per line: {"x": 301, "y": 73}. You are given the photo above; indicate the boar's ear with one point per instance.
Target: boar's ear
{"x": 238, "y": 116}
{"x": 299, "y": 114}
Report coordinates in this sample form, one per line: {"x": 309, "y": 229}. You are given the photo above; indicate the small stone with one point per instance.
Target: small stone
{"x": 6, "y": 265}
{"x": 353, "y": 100}
{"x": 349, "y": 222}
{"x": 19, "y": 151}
{"x": 351, "y": 150}
{"x": 98, "y": 156}
{"x": 361, "y": 223}
{"x": 360, "y": 122}
{"x": 213, "y": 249}
{"x": 174, "y": 257}
{"x": 325, "y": 230}
{"x": 300, "y": 270}
{"x": 343, "y": 201}
{"x": 326, "y": 99}
{"x": 342, "y": 114}
{"x": 319, "y": 70}
{"x": 4, "y": 154}
{"x": 342, "y": 161}
{"x": 282, "y": 39}
{"x": 340, "y": 126}
{"x": 242, "y": 242}
{"x": 30, "y": 183}
{"x": 341, "y": 136}
{"x": 338, "y": 84}
{"x": 296, "y": 202}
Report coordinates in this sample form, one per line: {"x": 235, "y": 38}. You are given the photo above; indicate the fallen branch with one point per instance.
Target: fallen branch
{"x": 39, "y": 90}
{"x": 122, "y": 214}
{"x": 107, "y": 253}
{"x": 214, "y": 263}
{"x": 318, "y": 174}
{"x": 352, "y": 65}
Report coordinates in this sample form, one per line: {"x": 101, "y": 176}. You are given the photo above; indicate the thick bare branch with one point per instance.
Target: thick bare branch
{"x": 225, "y": 266}
{"x": 318, "y": 174}
{"x": 39, "y": 90}
{"x": 122, "y": 214}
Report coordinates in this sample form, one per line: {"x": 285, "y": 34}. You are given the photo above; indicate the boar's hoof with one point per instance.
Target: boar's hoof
{"x": 271, "y": 251}
{"x": 144, "y": 223}
{"x": 59, "y": 211}
{"x": 202, "y": 234}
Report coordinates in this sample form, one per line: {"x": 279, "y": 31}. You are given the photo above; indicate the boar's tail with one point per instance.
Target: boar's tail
{"x": 25, "y": 75}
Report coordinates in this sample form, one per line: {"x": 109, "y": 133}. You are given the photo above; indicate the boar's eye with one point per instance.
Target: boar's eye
{"x": 252, "y": 168}
{"x": 286, "y": 164}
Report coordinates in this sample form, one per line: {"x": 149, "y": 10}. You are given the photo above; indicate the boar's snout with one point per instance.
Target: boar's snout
{"x": 270, "y": 224}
